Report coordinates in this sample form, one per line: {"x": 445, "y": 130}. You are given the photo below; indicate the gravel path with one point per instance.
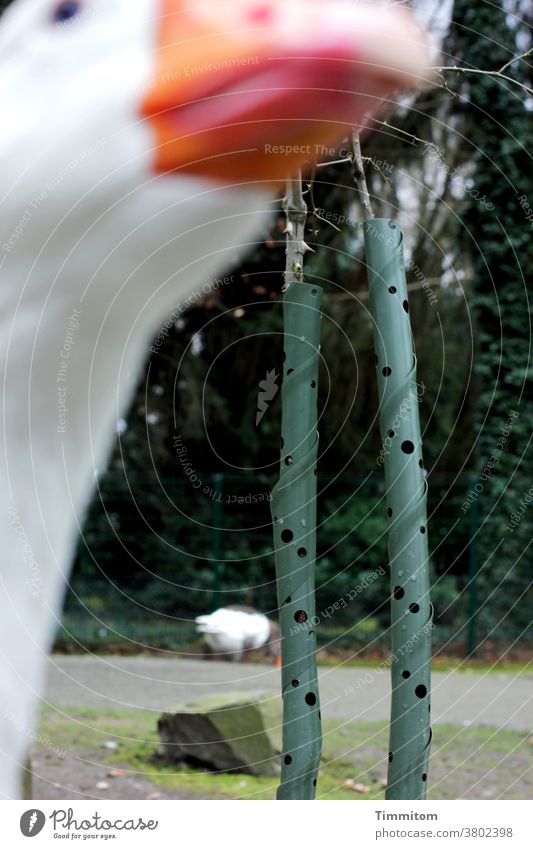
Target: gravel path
{"x": 156, "y": 683}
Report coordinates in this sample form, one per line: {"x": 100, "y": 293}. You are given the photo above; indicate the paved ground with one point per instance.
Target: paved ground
{"x": 496, "y": 700}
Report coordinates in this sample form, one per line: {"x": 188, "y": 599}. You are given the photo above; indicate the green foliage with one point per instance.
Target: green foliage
{"x": 352, "y": 562}
{"x": 497, "y": 123}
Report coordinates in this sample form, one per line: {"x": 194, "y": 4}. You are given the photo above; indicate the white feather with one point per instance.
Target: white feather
{"x": 233, "y": 631}
{"x": 109, "y": 240}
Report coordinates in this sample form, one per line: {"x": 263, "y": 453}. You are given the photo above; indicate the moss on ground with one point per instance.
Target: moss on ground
{"x": 466, "y": 762}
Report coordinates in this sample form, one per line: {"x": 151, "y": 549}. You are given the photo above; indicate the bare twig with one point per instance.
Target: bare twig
{"x": 314, "y": 207}
{"x": 410, "y": 136}
{"x": 360, "y": 178}
{"x": 497, "y": 74}
{"x": 525, "y": 55}
{"x": 333, "y": 162}
{"x": 319, "y": 217}
{"x": 349, "y": 160}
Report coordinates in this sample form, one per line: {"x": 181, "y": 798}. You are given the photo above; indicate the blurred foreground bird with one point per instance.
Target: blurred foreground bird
{"x": 140, "y": 147}
{"x": 234, "y": 630}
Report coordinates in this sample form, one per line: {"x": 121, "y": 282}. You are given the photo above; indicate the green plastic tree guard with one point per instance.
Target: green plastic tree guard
{"x": 293, "y": 508}
{"x": 411, "y": 610}
{"x": 294, "y": 516}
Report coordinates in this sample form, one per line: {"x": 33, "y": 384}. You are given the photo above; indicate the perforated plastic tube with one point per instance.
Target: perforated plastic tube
{"x": 294, "y": 516}
{"x": 411, "y": 610}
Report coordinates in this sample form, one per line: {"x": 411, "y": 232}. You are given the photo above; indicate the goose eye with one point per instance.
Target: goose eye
{"x": 66, "y": 11}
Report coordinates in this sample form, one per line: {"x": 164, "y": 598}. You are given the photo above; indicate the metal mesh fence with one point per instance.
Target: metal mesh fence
{"x": 154, "y": 555}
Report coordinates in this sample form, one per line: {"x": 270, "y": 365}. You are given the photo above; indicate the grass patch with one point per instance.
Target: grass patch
{"x": 466, "y": 762}
{"x": 444, "y": 664}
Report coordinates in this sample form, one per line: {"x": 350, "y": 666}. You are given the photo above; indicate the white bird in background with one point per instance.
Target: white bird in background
{"x": 140, "y": 144}
{"x": 234, "y": 630}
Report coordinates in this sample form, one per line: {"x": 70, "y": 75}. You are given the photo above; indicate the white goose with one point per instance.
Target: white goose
{"x": 140, "y": 143}
{"x": 237, "y": 629}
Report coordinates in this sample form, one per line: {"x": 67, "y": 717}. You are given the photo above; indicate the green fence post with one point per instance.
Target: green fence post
{"x": 216, "y": 537}
{"x": 411, "y": 611}
{"x": 472, "y": 582}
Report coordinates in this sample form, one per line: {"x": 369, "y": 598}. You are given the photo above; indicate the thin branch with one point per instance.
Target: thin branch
{"x": 410, "y": 136}
{"x": 360, "y": 178}
{"x": 317, "y": 215}
{"x": 314, "y": 207}
{"x": 333, "y": 162}
{"x": 516, "y": 59}
{"x": 497, "y": 74}
{"x": 377, "y": 168}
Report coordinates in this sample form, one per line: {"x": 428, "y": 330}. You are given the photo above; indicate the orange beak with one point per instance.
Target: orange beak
{"x": 247, "y": 91}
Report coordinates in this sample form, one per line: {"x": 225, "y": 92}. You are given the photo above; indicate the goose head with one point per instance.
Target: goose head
{"x": 106, "y": 103}
{"x": 224, "y": 82}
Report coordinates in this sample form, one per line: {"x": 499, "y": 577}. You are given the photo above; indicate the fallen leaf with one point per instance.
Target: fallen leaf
{"x": 116, "y": 773}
